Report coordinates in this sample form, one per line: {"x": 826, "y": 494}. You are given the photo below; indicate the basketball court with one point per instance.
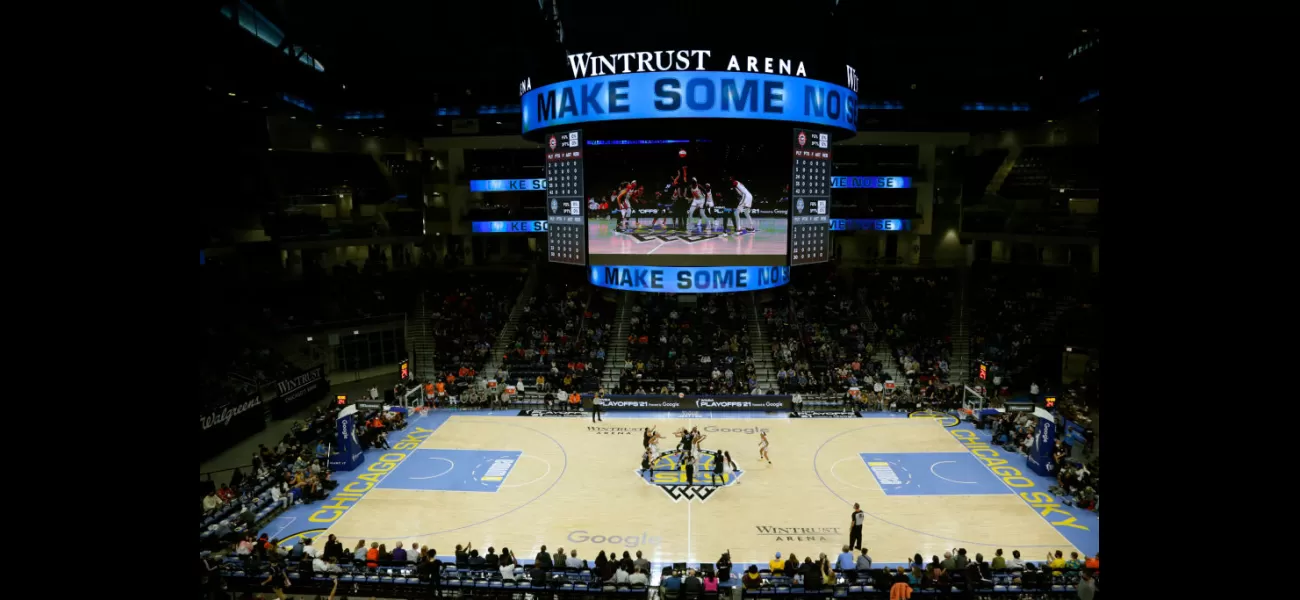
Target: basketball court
{"x": 520, "y": 482}
{"x": 771, "y": 239}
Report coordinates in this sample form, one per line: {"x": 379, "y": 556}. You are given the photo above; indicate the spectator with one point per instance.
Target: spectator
{"x": 641, "y": 563}
{"x": 573, "y": 562}
{"x": 864, "y": 561}
{"x": 669, "y": 581}
{"x": 751, "y": 580}
{"x": 359, "y": 552}
{"x": 639, "y": 577}
{"x": 1015, "y": 564}
{"x": 900, "y": 590}
{"x": 999, "y": 562}
{"x": 492, "y": 560}
{"x": 692, "y": 583}
{"x": 399, "y": 553}
{"x": 557, "y": 561}
{"x": 1087, "y": 585}
{"x": 507, "y": 565}
{"x": 333, "y": 548}
{"x": 776, "y": 565}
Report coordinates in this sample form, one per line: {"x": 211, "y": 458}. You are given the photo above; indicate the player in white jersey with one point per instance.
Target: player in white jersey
{"x": 709, "y": 206}
{"x": 624, "y": 198}
{"x": 697, "y": 206}
{"x": 746, "y": 205}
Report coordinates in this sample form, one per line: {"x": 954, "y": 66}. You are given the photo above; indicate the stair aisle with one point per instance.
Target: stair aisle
{"x": 507, "y": 336}
{"x": 959, "y": 366}
{"x": 422, "y": 342}
{"x": 761, "y": 347}
{"x": 616, "y": 352}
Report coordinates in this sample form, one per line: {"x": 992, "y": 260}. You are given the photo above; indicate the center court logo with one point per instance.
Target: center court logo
{"x": 667, "y": 474}
{"x": 799, "y": 534}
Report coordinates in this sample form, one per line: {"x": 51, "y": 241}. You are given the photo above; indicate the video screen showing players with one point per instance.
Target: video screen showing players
{"x": 702, "y": 204}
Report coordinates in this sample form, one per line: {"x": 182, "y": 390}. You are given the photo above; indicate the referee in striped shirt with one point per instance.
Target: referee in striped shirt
{"x": 855, "y": 529}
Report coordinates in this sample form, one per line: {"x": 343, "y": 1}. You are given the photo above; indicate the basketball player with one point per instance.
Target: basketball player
{"x": 717, "y": 468}
{"x": 688, "y": 464}
{"x": 697, "y": 207}
{"x": 634, "y": 191}
{"x": 762, "y": 447}
{"x": 746, "y": 205}
{"x": 685, "y": 441}
{"x": 663, "y": 207}
{"x": 730, "y": 462}
{"x": 645, "y": 462}
{"x": 697, "y": 438}
{"x": 624, "y": 205}
{"x": 708, "y": 207}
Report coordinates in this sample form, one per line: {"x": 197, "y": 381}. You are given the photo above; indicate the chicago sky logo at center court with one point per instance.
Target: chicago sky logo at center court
{"x": 667, "y": 474}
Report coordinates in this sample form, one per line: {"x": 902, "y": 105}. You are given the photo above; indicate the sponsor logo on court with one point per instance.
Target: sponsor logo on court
{"x": 668, "y": 474}
{"x": 615, "y": 430}
{"x": 884, "y": 473}
{"x": 552, "y": 413}
{"x": 825, "y": 415}
{"x": 498, "y": 469}
{"x": 745, "y": 430}
{"x": 944, "y": 419}
{"x": 1045, "y": 503}
{"x": 631, "y": 540}
{"x": 346, "y": 496}
{"x": 799, "y": 534}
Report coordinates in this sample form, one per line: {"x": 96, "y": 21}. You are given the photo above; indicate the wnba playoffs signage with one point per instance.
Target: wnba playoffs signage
{"x": 691, "y": 403}
{"x": 690, "y": 95}
{"x": 304, "y": 388}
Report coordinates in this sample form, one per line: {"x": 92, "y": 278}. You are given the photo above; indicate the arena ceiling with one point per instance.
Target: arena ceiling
{"x": 416, "y": 53}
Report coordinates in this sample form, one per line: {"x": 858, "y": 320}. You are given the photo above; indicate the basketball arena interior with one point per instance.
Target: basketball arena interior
{"x": 524, "y": 299}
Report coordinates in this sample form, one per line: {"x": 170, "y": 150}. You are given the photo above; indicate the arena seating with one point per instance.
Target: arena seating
{"x": 557, "y": 339}
{"x": 913, "y": 311}
{"x": 1013, "y": 310}
{"x": 673, "y": 350}
{"x": 818, "y": 325}
{"x": 422, "y": 577}
{"x": 467, "y": 310}
{"x": 1039, "y": 169}
{"x": 296, "y": 469}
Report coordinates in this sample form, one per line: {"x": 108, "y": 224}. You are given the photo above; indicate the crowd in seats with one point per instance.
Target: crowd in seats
{"x": 1078, "y": 482}
{"x": 1010, "y": 308}
{"x": 295, "y": 471}
{"x": 819, "y": 329}
{"x": 468, "y": 311}
{"x": 560, "y": 341}
{"x": 373, "y": 569}
{"x": 913, "y": 313}
{"x": 694, "y": 349}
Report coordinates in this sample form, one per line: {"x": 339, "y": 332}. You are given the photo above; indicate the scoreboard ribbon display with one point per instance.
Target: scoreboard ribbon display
{"x": 689, "y": 280}
{"x": 690, "y": 95}
{"x": 567, "y": 239}
{"x": 810, "y": 194}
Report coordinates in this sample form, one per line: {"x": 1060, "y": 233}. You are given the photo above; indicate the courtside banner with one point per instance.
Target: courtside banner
{"x": 232, "y": 422}
{"x": 347, "y": 448}
{"x": 638, "y": 402}
{"x": 690, "y": 95}
{"x": 298, "y": 391}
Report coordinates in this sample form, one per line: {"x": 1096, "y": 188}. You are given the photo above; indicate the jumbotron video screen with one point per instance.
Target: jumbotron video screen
{"x": 697, "y": 204}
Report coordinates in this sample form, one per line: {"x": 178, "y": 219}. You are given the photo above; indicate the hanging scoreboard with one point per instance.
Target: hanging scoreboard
{"x": 810, "y": 198}
{"x": 567, "y": 240}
